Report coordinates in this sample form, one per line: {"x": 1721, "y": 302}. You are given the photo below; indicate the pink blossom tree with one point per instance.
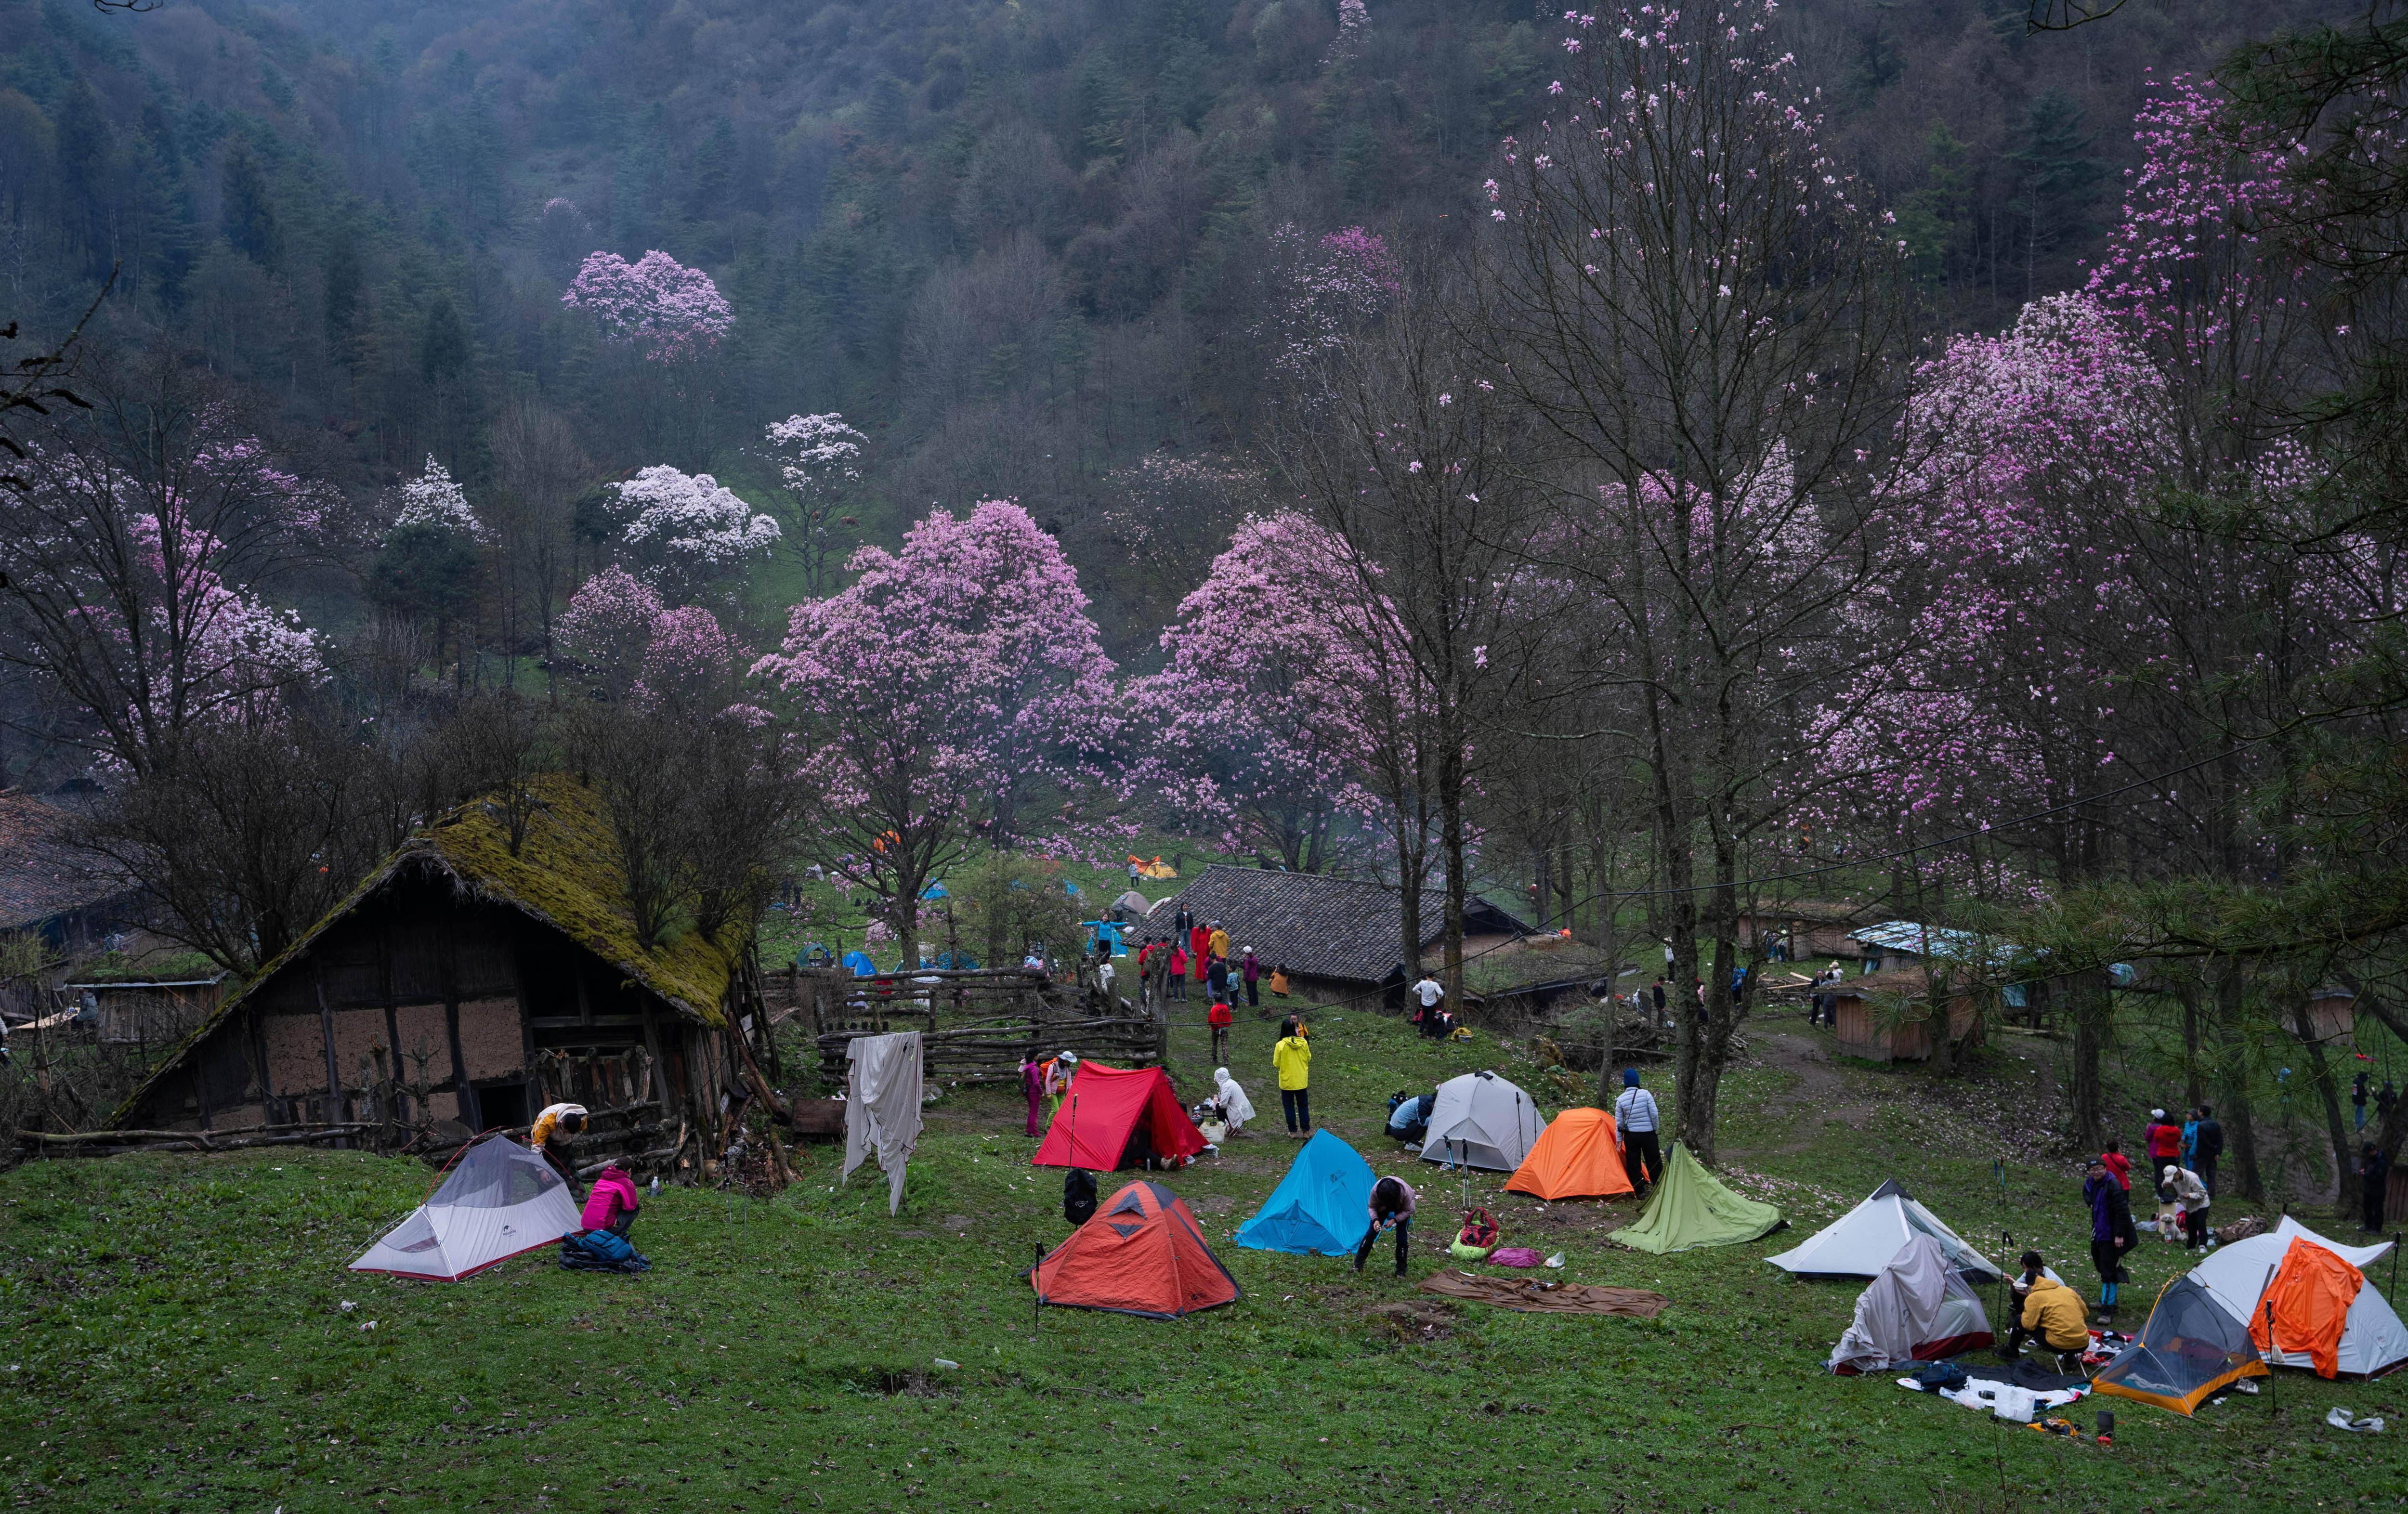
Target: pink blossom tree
{"x": 433, "y": 499}
{"x": 608, "y": 629}
{"x": 1257, "y": 724}
{"x": 675, "y": 314}
{"x": 139, "y": 556}
{"x": 1320, "y": 291}
{"x": 938, "y": 685}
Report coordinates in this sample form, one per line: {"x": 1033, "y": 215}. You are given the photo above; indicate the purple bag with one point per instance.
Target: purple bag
{"x": 1514, "y": 1256}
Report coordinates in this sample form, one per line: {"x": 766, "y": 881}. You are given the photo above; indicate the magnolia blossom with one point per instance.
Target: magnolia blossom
{"x": 688, "y": 528}
{"x": 633, "y": 645}
{"x": 944, "y": 680}
{"x": 674, "y": 313}
{"x": 814, "y": 451}
{"x": 432, "y": 499}
{"x": 1325, "y": 290}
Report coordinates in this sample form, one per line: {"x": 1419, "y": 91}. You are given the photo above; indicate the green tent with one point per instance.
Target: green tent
{"x": 1692, "y": 1209}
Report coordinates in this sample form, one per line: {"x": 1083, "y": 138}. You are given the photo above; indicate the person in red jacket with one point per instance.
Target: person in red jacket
{"x": 1199, "y": 950}
{"x": 1178, "y": 973}
{"x": 2165, "y": 1140}
{"x": 2118, "y": 1166}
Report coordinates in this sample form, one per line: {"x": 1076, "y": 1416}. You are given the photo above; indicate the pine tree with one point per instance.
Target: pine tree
{"x": 2057, "y": 178}
{"x": 1937, "y": 219}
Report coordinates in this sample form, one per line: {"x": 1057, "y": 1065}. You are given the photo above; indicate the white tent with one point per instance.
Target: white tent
{"x": 499, "y": 1201}
{"x": 1860, "y": 1243}
{"x": 1916, "y": 1309}
{"x": 2373, "y": 1339}
{"x": 1482, "y": 1121}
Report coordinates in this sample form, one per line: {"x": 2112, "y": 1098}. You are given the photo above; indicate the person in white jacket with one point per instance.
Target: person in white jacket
{"x": 2193, "y": 1196}
{"x": 1236, "y": 1109}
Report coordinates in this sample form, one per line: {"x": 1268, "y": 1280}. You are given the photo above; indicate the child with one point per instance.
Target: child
{"x": 1219, "y": 1017}
{"x": 1391, "y": 1205}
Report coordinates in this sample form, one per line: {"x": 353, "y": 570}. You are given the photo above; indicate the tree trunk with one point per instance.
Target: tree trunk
{"x": 2233, "y": 1075}
{"x": 2191, "y": 1080}
{"x": 2093, "y": 1013}
{"x": 1449, "y": 809}
{"x": 2336, "y": 1128}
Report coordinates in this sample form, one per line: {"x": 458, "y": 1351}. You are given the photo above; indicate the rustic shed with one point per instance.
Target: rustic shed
{"x": 1886, "y": 1017}
{"x": 1337, "y": 937}
{"x": 459, "y": 981}
{"x": 2332, "y": 1015}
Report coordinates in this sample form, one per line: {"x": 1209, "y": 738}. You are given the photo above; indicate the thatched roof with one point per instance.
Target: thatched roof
{"x": 1317, "y": 926}
{"x": 567, "y": 876}
{"x": 42, "y": 875}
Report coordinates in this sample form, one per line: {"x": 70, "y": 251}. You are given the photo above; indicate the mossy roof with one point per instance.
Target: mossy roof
{"x": 565, "y": 875}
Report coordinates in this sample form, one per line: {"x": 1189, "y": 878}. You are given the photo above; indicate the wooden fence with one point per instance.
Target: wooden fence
{"x": 975, "y": 1026}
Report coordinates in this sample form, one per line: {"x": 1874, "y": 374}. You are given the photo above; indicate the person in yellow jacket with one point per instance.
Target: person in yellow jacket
{"x": 1219, "y": 941}
{"x": 1293, "y": 1059}
{"x": 2052, "y": 1314}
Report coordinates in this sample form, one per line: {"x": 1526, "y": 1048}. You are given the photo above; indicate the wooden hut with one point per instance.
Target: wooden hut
{"x": 2332, "y": 1015}
{"x": 1886, "y": 1017}
{"x": 461, "y": 982}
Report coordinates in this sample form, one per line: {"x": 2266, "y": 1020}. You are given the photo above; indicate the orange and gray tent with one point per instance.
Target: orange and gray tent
{"x": 1577, "y": 1156}
{"x": 1107, "y": 1107}
{"x": 1142, "y": 1253}
{"x": 2189, "y": 1348}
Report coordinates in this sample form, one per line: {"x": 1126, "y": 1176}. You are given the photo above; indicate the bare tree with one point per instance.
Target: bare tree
{"x": 1708, "y": 321}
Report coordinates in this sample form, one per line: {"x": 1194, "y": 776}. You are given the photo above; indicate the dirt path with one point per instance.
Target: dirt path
{"x": 1820, "y": 1095}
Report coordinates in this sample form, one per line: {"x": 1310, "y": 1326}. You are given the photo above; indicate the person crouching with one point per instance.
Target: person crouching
{"x": 2051, "y": 1315}
{"x": 1391, "y": 1207}
{"x": 602, "y": 1245}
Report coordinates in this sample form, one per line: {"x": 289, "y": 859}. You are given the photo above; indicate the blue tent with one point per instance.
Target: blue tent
{"x": 859, "y": 964}
{"x": 1322, "y": 1205}
{"x": 935, "y": 891}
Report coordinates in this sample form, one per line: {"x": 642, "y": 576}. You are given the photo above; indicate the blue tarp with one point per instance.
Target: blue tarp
{"x": 859, "y": 964}
{"x": 1319, "y": 1205}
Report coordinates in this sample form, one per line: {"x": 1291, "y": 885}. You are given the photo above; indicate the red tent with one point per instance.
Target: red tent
{"x": 1105, "y": 1108}
{"x": 1142, "y": 1253}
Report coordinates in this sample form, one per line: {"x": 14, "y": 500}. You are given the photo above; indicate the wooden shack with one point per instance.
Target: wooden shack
{"x": 461, "y": 982}
{"x": 1886, "y": 1017}
{"x": 976, "y": 1025}
{"x": 2332, "y": 1015}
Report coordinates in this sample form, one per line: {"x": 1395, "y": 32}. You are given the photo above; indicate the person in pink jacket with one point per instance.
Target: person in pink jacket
{"x": 613, "y": 1203}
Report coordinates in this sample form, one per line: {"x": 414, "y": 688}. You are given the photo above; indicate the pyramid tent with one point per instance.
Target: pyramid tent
{"x": 1142, "y": 1253}
{"x": 1860, "y": 1243}
{"x": 1917, "y": 1309}
{"x": 1096, "y": 1126}
{"x": 1691, "y": 1207}
{"x": 2189, "y": 1348}
{"x": 1321, "y": 1206}
{"x": 1482, "y": 1121}
{"x": 498, "y": 1201}
{"x": 1577, "y": 1156}
{"x": 2373, "y": 1340}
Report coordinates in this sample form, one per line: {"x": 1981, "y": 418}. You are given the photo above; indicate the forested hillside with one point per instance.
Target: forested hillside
{"x": 1025, "y": 246}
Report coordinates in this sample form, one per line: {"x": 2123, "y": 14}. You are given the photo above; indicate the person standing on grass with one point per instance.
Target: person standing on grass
{"x": 1427, "y": 995}
{"x": 1216, "y": 981}
{"x": 1391, "y": 1206}
{"x": 1292, "y": 1058}
{"x": 1177, "y": 974}
{"x": 1218, "y": 942}
{"x": 2373, "y": 1174}
{"x": 1032, "y": 1083}
{"x": 2357, "y": 1098}
{"x": 2118, "y": 1166}
{"x": 1251, "y": 970}
{"x": 2192, "y": 1195}
{"x": 1636, "y": 1121}
{"x": 1199, "y": 950}
{"x": 1219, "y": 1017}
{"x": 2211, "y": 1147}
{"x": 2112, "y": 1234}
{"x": 2164, "y": 1139}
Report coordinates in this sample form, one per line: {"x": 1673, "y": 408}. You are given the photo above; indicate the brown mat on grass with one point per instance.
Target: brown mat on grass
{"x": 1532, "y": 1296}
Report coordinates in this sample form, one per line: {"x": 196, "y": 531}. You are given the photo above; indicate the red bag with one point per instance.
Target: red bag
{"x": 1478, "y": 1228}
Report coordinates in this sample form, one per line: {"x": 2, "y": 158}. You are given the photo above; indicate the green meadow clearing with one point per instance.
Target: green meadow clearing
{"x": 177, "y": 1337}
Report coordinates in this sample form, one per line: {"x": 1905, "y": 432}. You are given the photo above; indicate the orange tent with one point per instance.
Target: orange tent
{"x": 1106, "y": 1108}
{"x": 1142, "y": 1253}
{"x": 1574, "y": 1157}
{"x": 2310, "y": 1294}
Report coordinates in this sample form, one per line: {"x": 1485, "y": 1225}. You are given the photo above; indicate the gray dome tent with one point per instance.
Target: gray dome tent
{"x": 1482, "y": 1121}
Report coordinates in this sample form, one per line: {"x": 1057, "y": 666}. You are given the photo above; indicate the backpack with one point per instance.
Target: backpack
{"x": 1078, "y": 1197}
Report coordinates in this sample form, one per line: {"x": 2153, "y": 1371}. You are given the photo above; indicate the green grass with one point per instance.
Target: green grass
{"x": 176, "y": 1338}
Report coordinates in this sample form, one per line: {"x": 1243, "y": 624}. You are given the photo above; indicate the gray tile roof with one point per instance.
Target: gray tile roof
{"x": 41, "y": 876}
{"x": 1317, "y": 926}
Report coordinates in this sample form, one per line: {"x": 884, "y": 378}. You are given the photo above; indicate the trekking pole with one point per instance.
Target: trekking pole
{"x": 2273, "y": 1404}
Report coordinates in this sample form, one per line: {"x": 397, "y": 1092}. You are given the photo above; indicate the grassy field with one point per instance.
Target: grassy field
{"x": 177, "y": 1335}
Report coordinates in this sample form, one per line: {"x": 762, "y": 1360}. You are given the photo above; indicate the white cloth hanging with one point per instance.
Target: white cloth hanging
{"x": 1236, "y": 1109}
{"x": 882, "y": 1105}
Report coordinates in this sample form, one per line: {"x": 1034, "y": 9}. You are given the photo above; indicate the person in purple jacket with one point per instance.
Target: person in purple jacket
{"x": 1391, "y": 1205}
